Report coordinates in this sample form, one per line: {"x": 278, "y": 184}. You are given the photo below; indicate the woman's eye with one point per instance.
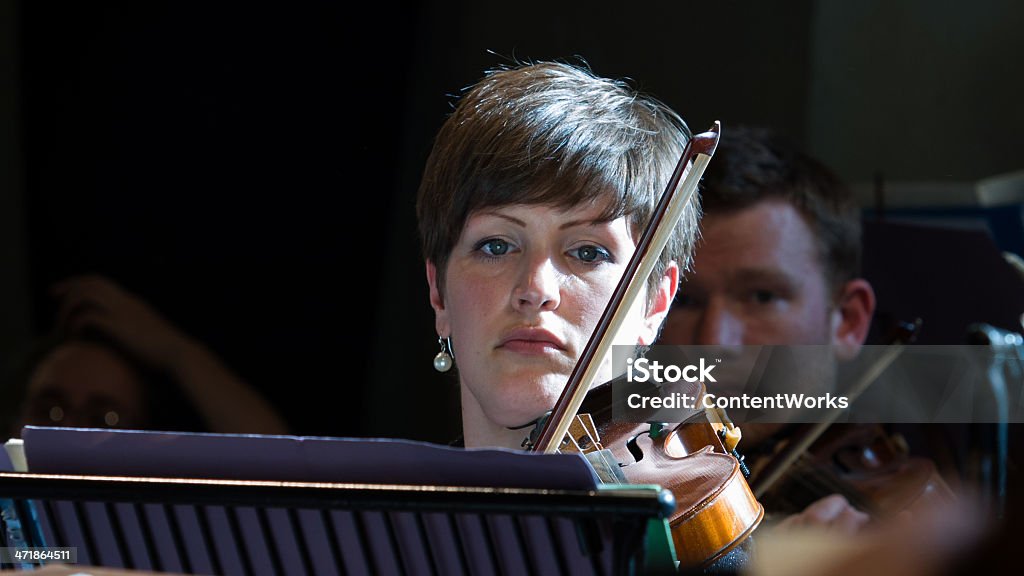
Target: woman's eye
{"x": 591, "y": 253}
{"x": 764, "y": 296}
{"x": 494, "y": 247}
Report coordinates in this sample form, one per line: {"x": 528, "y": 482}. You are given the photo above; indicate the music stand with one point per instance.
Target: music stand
{"x": 267, "y": 527}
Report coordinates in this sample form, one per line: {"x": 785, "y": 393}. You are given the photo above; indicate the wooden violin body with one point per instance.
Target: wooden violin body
{"x": 715, "y": 508}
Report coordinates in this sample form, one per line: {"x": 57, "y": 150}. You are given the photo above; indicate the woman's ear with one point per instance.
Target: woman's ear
{"x": 852, "y": 318}
{"x": 441, "y": 323}
{"x": 660, "y": 306}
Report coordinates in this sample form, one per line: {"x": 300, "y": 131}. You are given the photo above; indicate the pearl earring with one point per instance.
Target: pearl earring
{"x": 445, "y": 358}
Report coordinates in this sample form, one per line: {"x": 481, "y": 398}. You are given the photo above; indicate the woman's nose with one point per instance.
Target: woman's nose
{"x": 538, "y": 287}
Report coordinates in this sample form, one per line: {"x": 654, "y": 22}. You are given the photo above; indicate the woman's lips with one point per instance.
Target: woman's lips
{"x": 531, "y": 341}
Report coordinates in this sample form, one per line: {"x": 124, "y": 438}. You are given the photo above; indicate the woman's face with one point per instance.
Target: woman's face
{"x": 524, "y": 289}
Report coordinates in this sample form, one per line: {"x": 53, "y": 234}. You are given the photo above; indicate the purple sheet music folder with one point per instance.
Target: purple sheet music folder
{"x": 294, "y": 458}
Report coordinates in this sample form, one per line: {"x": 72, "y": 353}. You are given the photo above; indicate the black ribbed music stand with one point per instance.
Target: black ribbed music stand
{"x": 255, "y": 527}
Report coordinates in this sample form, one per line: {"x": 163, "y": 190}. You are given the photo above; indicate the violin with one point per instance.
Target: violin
{"x": 871, "y": 468}
{"x": 716, "y": 510}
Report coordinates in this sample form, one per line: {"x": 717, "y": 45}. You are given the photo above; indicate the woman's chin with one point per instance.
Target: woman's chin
{"x": 518, "y": 402}
{"x": 525, "y": 413}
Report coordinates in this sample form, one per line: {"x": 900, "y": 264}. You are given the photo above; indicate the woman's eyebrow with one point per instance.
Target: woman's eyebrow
{"x": 562, "y": 226}
{"x": 583, "y": 222}
{"x": 511, "y": 219}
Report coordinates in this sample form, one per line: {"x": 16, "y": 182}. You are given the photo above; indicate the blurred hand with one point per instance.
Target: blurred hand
{"x": 226, "y": 403}
{"x": 97, "y": 303}
{"x": 832, "y": 513}
{"x": 928, "y": 543}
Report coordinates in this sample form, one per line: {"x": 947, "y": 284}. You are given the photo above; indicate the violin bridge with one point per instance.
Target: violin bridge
{"x": 583, "y": 434}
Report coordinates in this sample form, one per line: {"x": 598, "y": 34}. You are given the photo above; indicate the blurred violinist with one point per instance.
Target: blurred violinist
{"x": 777, "y": 262}
{"x": 114, "y": 361}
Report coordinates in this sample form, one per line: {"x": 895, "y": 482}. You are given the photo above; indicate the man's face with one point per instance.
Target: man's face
{"x": 757, "y": 279}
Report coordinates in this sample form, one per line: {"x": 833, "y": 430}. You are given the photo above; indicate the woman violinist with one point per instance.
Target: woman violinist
{"x": 535, "y": 197}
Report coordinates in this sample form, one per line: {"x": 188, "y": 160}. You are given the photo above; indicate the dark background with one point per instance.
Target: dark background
{"x": 250, "y": 168}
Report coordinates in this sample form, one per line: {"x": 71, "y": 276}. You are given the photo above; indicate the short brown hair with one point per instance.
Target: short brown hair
{"x": 754, "y": 164}
{"x": 552, "y": 133}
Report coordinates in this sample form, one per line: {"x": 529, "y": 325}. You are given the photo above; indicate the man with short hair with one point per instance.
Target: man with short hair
{"x": 777, "y": 264}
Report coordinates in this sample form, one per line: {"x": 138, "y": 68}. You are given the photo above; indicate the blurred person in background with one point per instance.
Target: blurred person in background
{"x": 113, "y": 361}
